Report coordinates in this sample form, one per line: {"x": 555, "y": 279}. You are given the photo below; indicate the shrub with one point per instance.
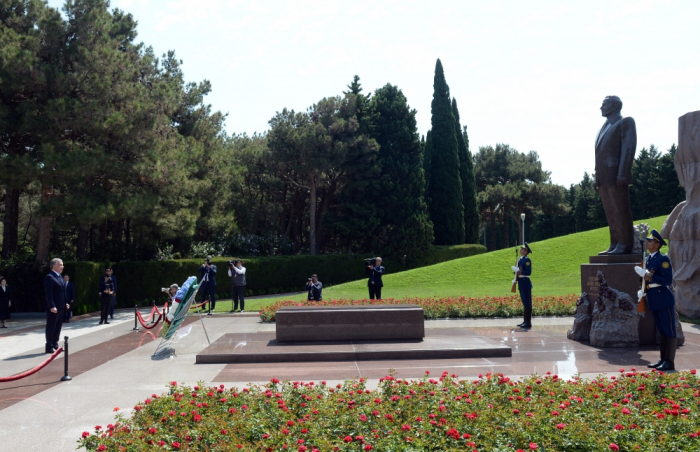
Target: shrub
{"x": 627, "y": 412}
{"x": 451, "y": 307}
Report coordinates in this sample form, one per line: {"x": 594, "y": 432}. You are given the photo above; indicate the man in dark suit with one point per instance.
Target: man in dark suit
{"x": 374, "y": 282}
{"x": 110, "y": 273}
{"x": 657, "y": 277}
{"x": 614, "y": 154}
{"x": 55, "y": 290}
{"x": 208, "y": 282}
{"x": 70, "y": 297}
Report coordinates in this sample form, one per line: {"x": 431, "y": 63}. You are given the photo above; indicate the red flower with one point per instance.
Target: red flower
{"x": 102, "y": 447}
{"x": 614, "y": 446}
{"x": 406, "y": 427}
{"x": 86, "y": 434}
{"x": 363, "y": 418}
{"x": 368, "y": 447}
{"x": 619, "y": 427}
{"x": 561, "y": 426}
{"x": 152, "y": 430}
{"x": 223, "y": 432}
{"x": 176, "y": 445}
{"x": 348, "y": 439}
{"x": 533, "y": 446}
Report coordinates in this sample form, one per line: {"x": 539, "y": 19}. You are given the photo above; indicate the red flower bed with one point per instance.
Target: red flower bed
{"x": 452, "y": 307}
{"x": 626, "y": 412}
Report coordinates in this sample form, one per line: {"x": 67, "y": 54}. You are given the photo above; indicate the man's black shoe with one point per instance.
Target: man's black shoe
{"x": 209, "y": 313}
{"x": 526, "y": 325}
{"x": 49, "y": 349}
{"x": 656, "y": 364}
{"x": 111, "y": 317}
{"x": 666, "y": 365}
{"x": 106, "y": 322}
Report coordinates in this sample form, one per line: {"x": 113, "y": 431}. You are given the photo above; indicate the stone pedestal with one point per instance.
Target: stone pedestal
{"x": 620, "y": 275}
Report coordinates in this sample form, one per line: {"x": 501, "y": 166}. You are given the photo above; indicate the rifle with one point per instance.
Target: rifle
{"x": 641, "y": 307}
{"x": 515, "y": 274}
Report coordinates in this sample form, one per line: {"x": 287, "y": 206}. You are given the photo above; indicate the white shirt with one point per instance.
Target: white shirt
{"x": 240, "y": 271}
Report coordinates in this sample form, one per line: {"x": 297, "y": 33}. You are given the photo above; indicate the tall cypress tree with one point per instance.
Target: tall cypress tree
{"x": 466, "y": 173}
{"x": 427, "y": 152}
{"x": 445, "y": 186}
{"x": 406, "y": 228}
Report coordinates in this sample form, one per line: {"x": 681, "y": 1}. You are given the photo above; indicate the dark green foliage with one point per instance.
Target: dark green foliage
{"x": 398, "y": 194}
{"x": 427, "y": 156}
{"x": 445, "y": 186}
{"x": 466, "y": 173}
{"x": 655, "y": 189}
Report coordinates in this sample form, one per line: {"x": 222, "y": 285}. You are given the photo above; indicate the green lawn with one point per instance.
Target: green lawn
{"x": 556, "y": 267}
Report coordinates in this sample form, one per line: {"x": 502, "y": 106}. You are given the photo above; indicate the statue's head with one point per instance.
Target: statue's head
{"x": 611, "y": 105}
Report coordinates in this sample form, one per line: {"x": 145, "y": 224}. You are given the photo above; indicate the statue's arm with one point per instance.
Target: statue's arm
{"x": 627, "y": 151}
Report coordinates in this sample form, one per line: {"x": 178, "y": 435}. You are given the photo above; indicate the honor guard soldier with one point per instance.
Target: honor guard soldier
{"x": 656, "y": 279}
{"x": 523, "y": 271}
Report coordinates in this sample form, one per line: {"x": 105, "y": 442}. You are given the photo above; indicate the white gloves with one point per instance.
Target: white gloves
{"x": 515, "y": 269}
{"x": 640, "y": 271}
{"x": 640, "y": 295}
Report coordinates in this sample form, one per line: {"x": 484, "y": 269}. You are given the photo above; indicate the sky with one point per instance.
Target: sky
{"x": 531, "y": 74}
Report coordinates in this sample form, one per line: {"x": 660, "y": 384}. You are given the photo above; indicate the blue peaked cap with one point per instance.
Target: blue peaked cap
{"x": 655, "y": 236}
{"x": 527, "y": 247}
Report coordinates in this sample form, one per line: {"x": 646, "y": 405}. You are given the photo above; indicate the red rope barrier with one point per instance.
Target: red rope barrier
{"x": 198, "y": 305}
{"x": 143, "y": 324}
{"x": 151, "y": 316}
{"x": 33, "y": 371}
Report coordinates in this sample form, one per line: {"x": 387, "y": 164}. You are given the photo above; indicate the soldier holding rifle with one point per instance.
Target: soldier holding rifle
{"x": 656, "y": 277}
{"x": 523, "y": 270}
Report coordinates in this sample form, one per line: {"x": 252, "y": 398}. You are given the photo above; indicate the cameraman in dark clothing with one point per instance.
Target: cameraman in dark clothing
{"x": 208, "y": 282}
{"x": 314, "y": 286}
{"x": 374, "y": 272}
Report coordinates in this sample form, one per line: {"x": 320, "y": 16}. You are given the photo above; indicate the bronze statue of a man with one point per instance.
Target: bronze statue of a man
{"x": 614, "y": 154}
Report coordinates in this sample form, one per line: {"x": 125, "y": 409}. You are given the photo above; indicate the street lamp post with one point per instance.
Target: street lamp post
{"x": 522, "y": 220}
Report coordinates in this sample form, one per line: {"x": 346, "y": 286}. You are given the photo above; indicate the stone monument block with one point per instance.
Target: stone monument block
{"x": 682, "y": 228}
{"x": 619, "y": 274}
{"x": 614, "y": 319}
{"x": 347, "y": 323}
{"x": 581, "y": 329}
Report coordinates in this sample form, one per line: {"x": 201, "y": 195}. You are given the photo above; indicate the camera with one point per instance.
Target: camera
{"x": 230, "y": 263}
{"x": 371, "y": 261}
{"x": 165, "y": 289}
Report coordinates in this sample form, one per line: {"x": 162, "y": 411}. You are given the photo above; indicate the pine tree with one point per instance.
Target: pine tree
{"x": 466, "y": 172}
{"x": 406, "y": 229}
{"x": 445, "y": 187}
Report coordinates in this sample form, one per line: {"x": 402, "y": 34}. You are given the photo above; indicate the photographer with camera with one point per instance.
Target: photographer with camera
{"x": 236, "y": 271}
{"x": 170, "y": 292}
{"x": 374, "y": 272}
{"x": 208, "y": 282}
{"x": 314, "y": 286}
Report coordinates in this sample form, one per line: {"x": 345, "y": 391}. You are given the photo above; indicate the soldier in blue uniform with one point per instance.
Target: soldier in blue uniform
{"x": 523, "y": 271}
{"x": 657, "y": 277}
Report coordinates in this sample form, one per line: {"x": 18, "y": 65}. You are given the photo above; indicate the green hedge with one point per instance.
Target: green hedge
{"x": 139, "y": 283}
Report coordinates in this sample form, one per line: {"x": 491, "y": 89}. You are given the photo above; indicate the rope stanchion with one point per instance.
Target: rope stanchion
{"x": 65, "y": 376}
{"x": 136, "y": 311}
{"x": 34, "y": 370}
{"x": 151, "y": 315}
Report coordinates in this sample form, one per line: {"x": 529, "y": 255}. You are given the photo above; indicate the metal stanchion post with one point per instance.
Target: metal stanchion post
{"x": 65, "y": 376}
{"x": 136, "y": 325}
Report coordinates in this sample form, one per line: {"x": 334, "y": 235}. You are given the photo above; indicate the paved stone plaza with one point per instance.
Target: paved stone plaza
{"x": 112, "y": 366}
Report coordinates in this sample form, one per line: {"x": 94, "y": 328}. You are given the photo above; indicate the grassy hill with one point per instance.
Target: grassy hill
{"x": 556, "y": 271}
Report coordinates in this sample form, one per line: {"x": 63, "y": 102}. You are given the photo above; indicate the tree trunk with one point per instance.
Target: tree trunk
{"x": 10, "y": 233}
{"x": 81, "y": 251}
{"x": 506, "y": 241}
{"x": 312, "y": 217}
{"x": 127, "y": 239}
{"x": 44, "y": 235}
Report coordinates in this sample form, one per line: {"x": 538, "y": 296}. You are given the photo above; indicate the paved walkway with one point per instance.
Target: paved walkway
{"x": 112, "y": 366}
